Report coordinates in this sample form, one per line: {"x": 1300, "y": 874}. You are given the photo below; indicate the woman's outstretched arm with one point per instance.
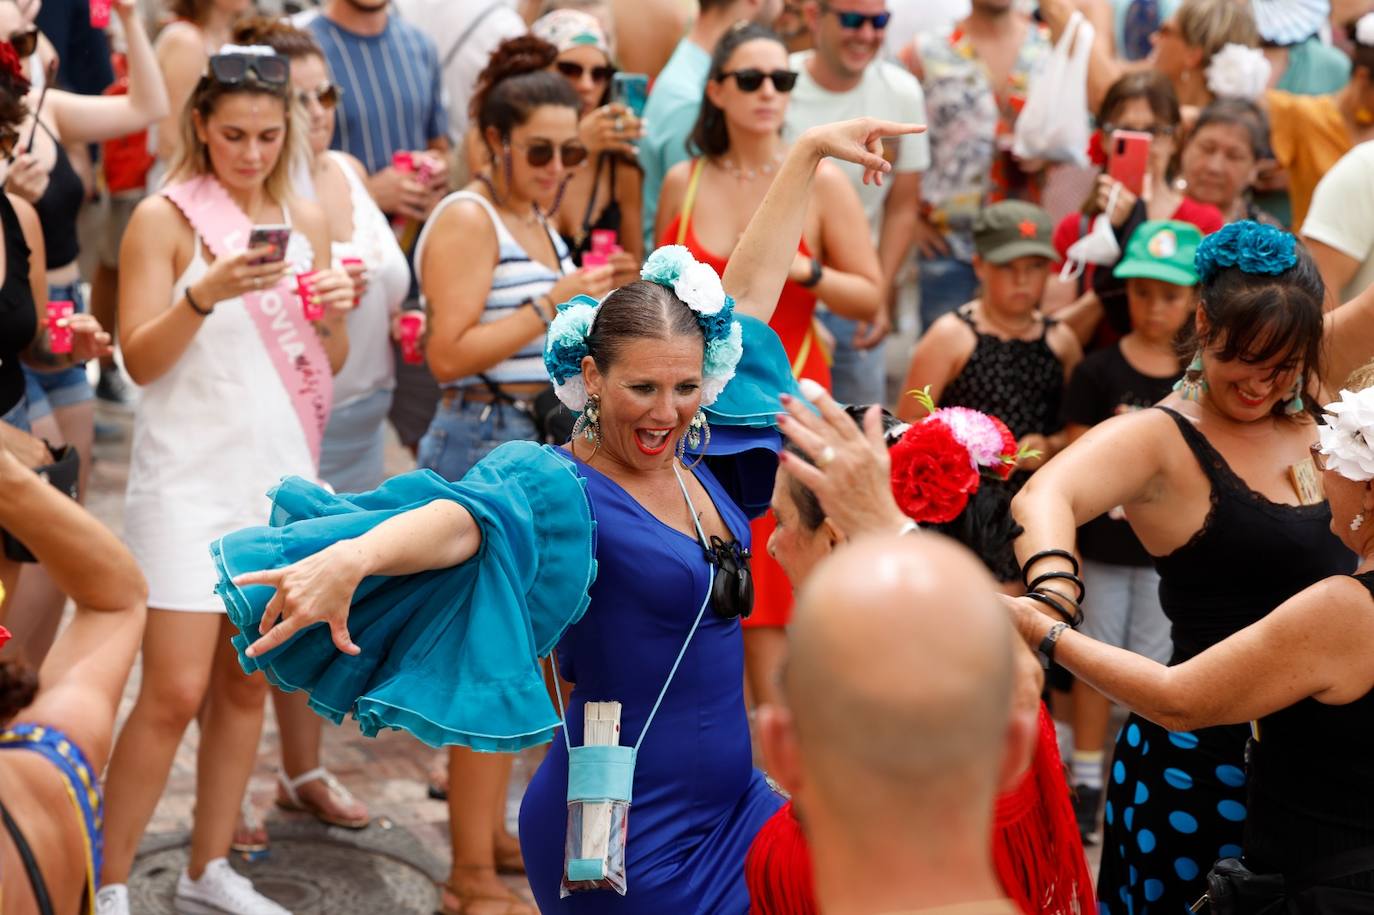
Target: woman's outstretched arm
{"x": 760, "y": 262}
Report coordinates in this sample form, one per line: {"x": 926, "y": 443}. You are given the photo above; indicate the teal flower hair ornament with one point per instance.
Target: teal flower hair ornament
{"x": 1249, "y": 246}
{"x": 696, "y": 284}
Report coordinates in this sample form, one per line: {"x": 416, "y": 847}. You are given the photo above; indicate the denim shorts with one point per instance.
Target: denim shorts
{"x": 48, "y": 391}
{"x": 464, "y": 432}
{"x": 857, "y": 376}
{"x": 18, "y": 416}
{"x": 352, "y": 454}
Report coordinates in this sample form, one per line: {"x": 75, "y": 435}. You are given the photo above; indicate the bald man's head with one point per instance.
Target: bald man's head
{"x": 899, "y": 671}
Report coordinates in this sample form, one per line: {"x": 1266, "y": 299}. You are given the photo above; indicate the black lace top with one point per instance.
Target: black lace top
{"x": 1021, "y": 382}
{"x": 608, "y": 218}
{"x": 1311, "y": 774}
{"x": 1249, "y": 556}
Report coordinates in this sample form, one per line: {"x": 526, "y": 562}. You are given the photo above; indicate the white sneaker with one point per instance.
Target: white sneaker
{"x": 221, "y": 890}
{"x": 112, "y": 899}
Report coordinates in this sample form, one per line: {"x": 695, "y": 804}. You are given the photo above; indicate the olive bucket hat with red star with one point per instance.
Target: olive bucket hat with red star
{"x": 1011, "y": 229}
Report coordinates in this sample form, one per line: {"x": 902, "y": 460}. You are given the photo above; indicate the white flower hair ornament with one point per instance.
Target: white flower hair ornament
{"x": 1238, "y": 72}
{"x": 699, "y": 288}
{"x": 1364, "y": 30}
{"x": 1346, "y": 433}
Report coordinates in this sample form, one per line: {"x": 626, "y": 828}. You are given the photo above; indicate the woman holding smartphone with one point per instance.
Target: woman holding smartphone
{"x": 236, "y": 393}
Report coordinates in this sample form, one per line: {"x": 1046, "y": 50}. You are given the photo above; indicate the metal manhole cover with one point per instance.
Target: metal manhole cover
{"x": 320, "y": 873}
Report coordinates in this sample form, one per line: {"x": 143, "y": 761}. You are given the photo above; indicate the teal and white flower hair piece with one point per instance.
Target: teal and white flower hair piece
{"x": 699, "y": 288}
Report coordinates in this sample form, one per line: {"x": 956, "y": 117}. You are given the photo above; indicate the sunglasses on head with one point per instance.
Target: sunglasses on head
{"x": 237, "y": 69}
{"x": 855, "y": 21}
{"x": 541, "y": 152}
{"x": 751, "y": 80}
{"x": 574, "y": 70}
{"x": 25, "y": 42}
{"x": 326, "y": 94}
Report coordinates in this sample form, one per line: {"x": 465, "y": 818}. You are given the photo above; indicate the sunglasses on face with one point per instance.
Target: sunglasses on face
{"x": 541, "y": 152}
{"x": 572, "y": 70}
{"x": 326, "y": 96}
{"x": 751, "y": 80}
{"x": 855, "y": 21}
{"x": 237, "y": 69}
{"x": 25, "y": 43}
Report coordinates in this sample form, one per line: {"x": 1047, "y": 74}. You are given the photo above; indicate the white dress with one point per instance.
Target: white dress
{"x": 211, "y": 437}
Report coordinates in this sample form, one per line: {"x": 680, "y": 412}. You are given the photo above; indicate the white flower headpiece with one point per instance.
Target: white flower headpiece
{"x": 696, "y": 284}
{"x": 1364, "y": 30}
{"x": 1346, "y": 434}
{"x": 1238, "y": 72}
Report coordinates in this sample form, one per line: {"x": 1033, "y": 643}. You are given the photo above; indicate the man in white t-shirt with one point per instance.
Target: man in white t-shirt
{"x": 465, "y": 32}
{"x": 842, "y": 78}
{"x": 1339, "y": 228}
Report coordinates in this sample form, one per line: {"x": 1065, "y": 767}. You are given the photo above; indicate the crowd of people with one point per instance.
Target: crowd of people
{"x": 631, "y": 283}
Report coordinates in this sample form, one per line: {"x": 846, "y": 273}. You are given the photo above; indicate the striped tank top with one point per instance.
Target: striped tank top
{"x": 516, "y": 278}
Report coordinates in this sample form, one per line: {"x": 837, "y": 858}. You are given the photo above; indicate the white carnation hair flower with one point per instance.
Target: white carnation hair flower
{"x": 1238, "y": 72}
{"x": 1346, "y": 434}
{"x": 1364, "y": 30}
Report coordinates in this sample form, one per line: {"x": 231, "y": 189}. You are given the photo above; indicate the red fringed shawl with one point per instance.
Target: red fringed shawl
{"x": 1035, "y": 847}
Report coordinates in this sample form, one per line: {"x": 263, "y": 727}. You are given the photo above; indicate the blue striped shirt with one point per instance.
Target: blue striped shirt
{"x": 516, "y": 279}
{"x": 393, "y": 95}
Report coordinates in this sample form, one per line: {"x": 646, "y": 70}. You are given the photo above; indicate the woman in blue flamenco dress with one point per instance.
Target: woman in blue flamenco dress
{"x": 621, "y": 549}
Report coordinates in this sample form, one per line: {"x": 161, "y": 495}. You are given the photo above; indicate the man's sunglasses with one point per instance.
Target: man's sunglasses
{"x": 541, "y": 152}
{"x": 25, "y": 43}
{"x": 235, "y": 69}
{"x": 574, "y": 70}
{"x": 751, "y": 80}
{"x": 327, "y": 95}
{"x": 855, "y": 21}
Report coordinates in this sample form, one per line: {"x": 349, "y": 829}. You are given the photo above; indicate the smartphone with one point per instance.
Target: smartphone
{"x": 276, "y": 236}
{"x": 630, "y": 90}
{"x": 1129, "y": 158}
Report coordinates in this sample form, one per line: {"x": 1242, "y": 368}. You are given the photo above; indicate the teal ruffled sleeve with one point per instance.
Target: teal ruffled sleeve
{"x": 452, "y": 655}
{"x": 743, "y": 453}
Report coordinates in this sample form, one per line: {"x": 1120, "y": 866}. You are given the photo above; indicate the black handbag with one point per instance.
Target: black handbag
{"x": 61, "y": 473}
{"x": 553, "y": 422}
{"x": 1233, "y": 889}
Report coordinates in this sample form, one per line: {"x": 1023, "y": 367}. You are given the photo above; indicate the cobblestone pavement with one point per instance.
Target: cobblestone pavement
{"x": 388, "y": 867}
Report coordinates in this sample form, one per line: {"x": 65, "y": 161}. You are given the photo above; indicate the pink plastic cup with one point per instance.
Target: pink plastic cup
{"x": 100, "y": 14}
{"x": 594, "y": 259}
{"x": 604, "y": 241}
{"x": 314, "y": 311}
{"x": 410, "y": 338}
{"x": 403, "y": 161}
{"x": 59, "y": 338}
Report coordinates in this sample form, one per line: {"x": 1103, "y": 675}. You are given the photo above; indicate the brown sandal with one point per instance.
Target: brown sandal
{"x": 490, "y": 904}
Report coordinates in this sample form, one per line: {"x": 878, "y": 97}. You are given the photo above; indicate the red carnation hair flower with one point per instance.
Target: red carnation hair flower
{"x": 932, "y": 473}
{"x": 12, "y": 64}
{"x": 1011, "y": 451}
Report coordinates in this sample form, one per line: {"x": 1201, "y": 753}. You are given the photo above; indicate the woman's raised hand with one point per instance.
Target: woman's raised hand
{"x": 611, "y": 128}
{"x": 27, "y": 177}
{"x": 592, "y": 281}
{"x": 859, "y": 141}
{"x": 333, "y": 288}
{"x": 89, "y": 339}
{"x": 232, "y": 276}
{"x": 317, "y": 589}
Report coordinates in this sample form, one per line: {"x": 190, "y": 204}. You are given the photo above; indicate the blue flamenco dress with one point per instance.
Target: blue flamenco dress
{"x": 568, "y": 560}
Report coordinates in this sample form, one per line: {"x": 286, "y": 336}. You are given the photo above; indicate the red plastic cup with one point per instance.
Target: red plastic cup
{"x": 403, "y": 161}
{"x": 410, "y": 338}
{"x": 604, "y": 241}
{"x": 314, "y": 311}
{"x": 594, "y": 258}
{"x": 59, "y": 338}
{"x": 100, "y": 13}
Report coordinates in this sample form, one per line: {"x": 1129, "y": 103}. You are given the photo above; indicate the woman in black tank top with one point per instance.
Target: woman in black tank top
{"x": 1206, "y": 486}
{"x": 1301, "y": 674}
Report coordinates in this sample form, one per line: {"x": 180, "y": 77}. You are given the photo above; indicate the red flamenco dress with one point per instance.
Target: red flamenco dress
{"x": 1036, "y": 849}
{"x": 793, "y": 322}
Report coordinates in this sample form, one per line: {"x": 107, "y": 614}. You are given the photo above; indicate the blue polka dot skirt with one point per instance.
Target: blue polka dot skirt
{"x": 1175, "y": 804}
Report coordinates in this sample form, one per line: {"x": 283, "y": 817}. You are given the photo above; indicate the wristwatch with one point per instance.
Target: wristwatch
{"x": 1047, "y": 644}
{"x": 815, "y": 276}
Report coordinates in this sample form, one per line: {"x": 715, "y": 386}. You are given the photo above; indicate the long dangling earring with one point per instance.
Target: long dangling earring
{"x": 697, "y": 430}
{"x": 588, "y": 424}
{"x": 507, "y": 168}
{"x": 1193, "y": 384}
{"x": 1293, "y": 405}
{"x": 1357, "y": 522}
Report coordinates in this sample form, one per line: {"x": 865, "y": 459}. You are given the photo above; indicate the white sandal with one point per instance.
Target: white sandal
{"x": 295, "y": 802}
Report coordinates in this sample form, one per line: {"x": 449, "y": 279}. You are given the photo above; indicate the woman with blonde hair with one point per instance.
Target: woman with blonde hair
{"x": 236, "y": 393}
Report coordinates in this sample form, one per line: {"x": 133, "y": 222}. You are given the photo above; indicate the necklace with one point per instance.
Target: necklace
{"x": 536, "y": 216}
{"x": 749, "y": 174}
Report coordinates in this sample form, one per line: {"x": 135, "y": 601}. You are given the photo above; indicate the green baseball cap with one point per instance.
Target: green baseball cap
{"x": 1011, "y": 229}
{"x": 1161, "y": 249}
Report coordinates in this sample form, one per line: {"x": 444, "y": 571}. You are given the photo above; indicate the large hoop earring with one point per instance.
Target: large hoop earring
{"x": 588, "y": 424}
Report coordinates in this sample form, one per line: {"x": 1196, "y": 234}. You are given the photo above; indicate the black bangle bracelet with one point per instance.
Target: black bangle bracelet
{"x": 1058, "y": 575}
{"x": 1074, "y": 619}
{"x": 1045, "y": 554}
{"x": 203, "y": 312}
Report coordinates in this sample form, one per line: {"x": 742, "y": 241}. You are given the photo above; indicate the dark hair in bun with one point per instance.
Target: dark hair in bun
{"x": 517, "y": 80}
{"x": 18, "y": 686}
{"x": 277, "y": 34}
